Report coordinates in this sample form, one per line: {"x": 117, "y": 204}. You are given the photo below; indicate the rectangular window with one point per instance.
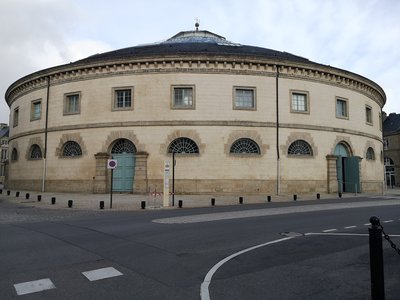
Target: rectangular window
{"x": 244, "y": 98}
{"x": 385, "y": 144}
{"x": 342, "y": 108}
{"x": 15, "y": 117}
{"x": 299, "y": 102}
{"x": 183, "y": 97}
{"x": 4, "y": 154}
{"x": 368, "y": 114}
{"x": 72, "y": 103}
{"x": 123, "y": 98}
{"x": 380, "y": 121}
{"x": 36, "y": 110}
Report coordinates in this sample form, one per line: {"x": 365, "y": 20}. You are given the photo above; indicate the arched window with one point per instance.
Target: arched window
{"x": 123, "y": 146}
{"x": 342, "y": 149}
{"x": 245, "y": 146}
{"x": 370, "y": 154}
{"x": 36, "y": 152}
{"x": 14, "y": 155}
{"x": 184, "y": 146}
{"x": 300, "y": 147}
{"x": 71, "y": 149}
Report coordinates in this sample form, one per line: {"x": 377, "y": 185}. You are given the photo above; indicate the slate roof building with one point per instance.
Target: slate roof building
{"x": 240, "y": 119}
{"x": 3, "y": 150}
{"x": 391, "y": 146}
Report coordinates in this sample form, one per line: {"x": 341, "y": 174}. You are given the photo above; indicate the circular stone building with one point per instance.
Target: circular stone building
{"x": 240, "y": 119}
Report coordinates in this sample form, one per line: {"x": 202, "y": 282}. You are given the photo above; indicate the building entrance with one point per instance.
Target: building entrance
{"x": 348, "y": 170}
{"x": 124, "y": 152}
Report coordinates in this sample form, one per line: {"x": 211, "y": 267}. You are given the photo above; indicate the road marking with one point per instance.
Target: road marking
{"x": 101, "y": 273}
{"x": 336, "y": 233}
{"x": 33, "y": 286}
{"x": 329, "y": 230}
{"x": 388, "y": 221}
{"x": 204, "y": 291}
{"x": 348, "y": 227}
{"x": 367, "y": 224}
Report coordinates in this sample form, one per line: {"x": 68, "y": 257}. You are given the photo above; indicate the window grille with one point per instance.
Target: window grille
{"x": 244, "y": 98}
{"x": 123, "y": 98}
{"x": 370, "y": 154}
{"x": 36, "y": 152}
{"x": 14, "y": 155}
{"x": 71, "y": 149}
{"x": 245, "y": 146}
{"x": 183, "y": 146}
{"x": 300, "y": 147}
{"x": 123, "y": 146}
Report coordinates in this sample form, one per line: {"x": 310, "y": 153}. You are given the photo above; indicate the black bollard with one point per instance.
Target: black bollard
{"x": 269, "y": 198}
{"x": 53, "y": 200}
{"x": 180, "y": 203}
{"x": 318, "y": 196}
{"x": 143, "y": 204}
{"x": 1, "y": 191}
{"x": 376, "y": 260}
{"x": 294, "y": 197}
{"x": 340, "y": 195}
{"x": 212, "y": 201}
{"x": 8, "y": 193}
{"x": 240, "y": 200}
{"x": 39, "y": 198}
{"x": 101, "y": 204}
{"x": 27, "y": 196}
{"x": 70, "y": 203}
{"x": 17, "y": 194}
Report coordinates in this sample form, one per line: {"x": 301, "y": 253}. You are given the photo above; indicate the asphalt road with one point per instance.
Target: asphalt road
{"x": 163, "y": 254}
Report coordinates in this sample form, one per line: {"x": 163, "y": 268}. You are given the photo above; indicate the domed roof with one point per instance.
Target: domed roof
{"x": 197, "y": 42}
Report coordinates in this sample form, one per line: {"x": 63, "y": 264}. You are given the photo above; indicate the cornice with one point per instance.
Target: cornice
{"x": 197, "y": 64}
{"x": 184, "y": 123}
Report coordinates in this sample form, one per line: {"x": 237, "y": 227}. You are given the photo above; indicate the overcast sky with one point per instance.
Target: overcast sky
{"x": 361, "y": 36}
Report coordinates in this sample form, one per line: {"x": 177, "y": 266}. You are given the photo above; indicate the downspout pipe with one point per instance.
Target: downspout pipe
{"x": 45, "y": 135}
{"x": 278, "y": 163}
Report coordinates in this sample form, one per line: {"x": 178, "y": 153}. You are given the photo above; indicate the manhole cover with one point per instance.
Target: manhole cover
{"x": 291, "y": 234}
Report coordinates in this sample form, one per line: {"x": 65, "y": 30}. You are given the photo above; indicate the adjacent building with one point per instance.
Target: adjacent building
{"x": 391, "y": 147}
{"x": 3, "y": 150}
{"x": 240, "y": 119}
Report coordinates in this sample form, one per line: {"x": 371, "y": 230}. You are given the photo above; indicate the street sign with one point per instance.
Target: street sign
{"x": 112, "y": 164}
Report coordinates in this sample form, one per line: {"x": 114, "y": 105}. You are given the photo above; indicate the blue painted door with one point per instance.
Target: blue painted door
{"x": 124, "y": 173}
{"x": 352, "y": 174}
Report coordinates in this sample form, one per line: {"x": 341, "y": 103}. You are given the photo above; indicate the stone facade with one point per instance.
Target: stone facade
{"x": 152, "y": 123}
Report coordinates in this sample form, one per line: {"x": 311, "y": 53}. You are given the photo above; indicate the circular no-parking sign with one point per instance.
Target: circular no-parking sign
{"x": 112, "y": 164}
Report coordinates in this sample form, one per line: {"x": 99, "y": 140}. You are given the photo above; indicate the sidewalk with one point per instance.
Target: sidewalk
{"x": 133, "y": 202}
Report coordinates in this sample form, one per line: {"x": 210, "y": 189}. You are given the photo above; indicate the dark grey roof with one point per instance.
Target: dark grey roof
{"x": 4, "y": 132}
{"x": 391, "y": 124}
{"x": 194, "y": 42}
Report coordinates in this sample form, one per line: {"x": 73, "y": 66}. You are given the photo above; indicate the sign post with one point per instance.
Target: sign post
{"x": 167, "y": 167}
{"x": 112, "y": 164}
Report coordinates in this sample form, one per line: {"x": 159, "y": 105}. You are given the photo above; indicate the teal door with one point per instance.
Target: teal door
{"x": 339, "y": 172}
{"x": 352, "y": 174}
{"x": 124, "y": 173}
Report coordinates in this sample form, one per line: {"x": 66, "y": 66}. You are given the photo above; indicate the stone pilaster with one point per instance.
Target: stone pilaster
{"x": 100, "y": 179}
{"x": 140, "y": 179}
{"x": 332, "y": 174}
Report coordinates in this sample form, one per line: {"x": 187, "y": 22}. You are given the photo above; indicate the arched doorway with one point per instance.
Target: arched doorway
{"x": 347, "y": 168}
{"x": 124, "y": 151}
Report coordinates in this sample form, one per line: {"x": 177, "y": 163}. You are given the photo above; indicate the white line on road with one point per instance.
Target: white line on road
{"x": 101, "y": 273}
{"x": 388, "y": 221}
{"x": 34, "y": 286}
{"x": 329, "y": 230}
{"x": 204, "y": 291}
{"x": 336, "y": 233}
{"x": 348, "y": 227}
{"x": 367, "y": 224}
